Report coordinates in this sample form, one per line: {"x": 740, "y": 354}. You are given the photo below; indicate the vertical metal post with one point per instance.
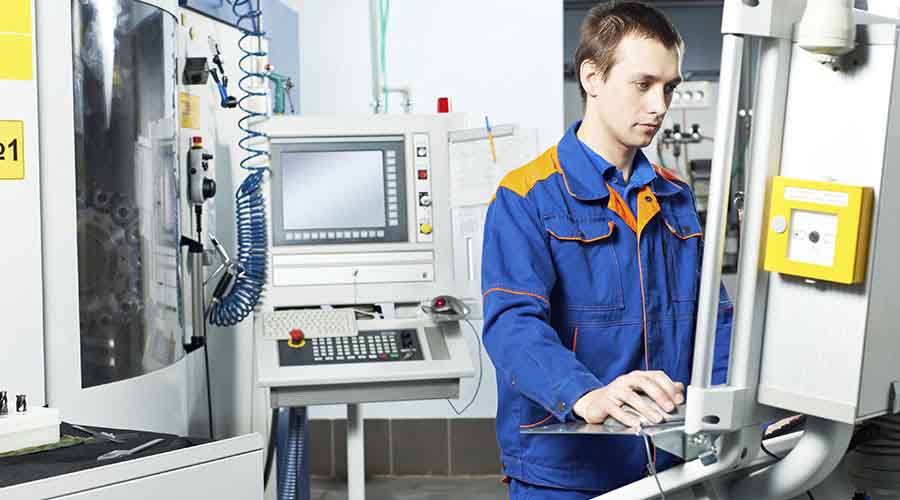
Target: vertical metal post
{"x": 356, "y": 454}
{"x": 765, "y": 162}
{"x": 717, "y": 210}
{"x": 375, "y": 29}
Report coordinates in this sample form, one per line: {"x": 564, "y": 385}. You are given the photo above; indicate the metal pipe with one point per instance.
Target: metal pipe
{"x": 717, "y": 211}
{"x": 198, "y": 317}
{"x": 817, "y": 454}
{"x": 765, "y": 162}
{"x": 377, "y": 77}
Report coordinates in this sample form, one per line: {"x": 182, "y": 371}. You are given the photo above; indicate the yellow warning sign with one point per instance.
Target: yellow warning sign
{"x": 15, "y": 56}
{"x": 12, "y": 150}
{"x": 190, "y": 110}
{"x": 15, "y": 16}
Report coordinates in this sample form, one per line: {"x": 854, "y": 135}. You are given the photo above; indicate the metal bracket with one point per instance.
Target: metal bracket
{"x": 893, "y": 400}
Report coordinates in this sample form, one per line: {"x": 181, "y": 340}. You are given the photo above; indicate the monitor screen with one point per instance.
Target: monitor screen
{"x": 333, "y": 189}
{"x": 339, "y": 190}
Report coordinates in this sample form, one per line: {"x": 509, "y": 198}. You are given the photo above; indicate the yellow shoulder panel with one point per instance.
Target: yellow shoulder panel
{"x": 522, "y": 179}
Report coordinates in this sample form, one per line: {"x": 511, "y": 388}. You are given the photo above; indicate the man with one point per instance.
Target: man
{"x": 591, "y": 272}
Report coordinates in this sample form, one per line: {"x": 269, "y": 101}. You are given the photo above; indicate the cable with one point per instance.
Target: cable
{"x": 208, "y": 386}
{"x": 250, "y": 211}
{"x": 651, "y": 468}
{"x": 766, "y": 450}
{"x": 777, "y": 458}
{"x": 480, "y": 373}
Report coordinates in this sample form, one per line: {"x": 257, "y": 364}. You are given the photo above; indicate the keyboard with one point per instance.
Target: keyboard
{"x": 313, "y": 322}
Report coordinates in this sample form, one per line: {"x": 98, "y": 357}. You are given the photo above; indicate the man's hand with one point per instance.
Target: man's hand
{"x": 607, "y": 401}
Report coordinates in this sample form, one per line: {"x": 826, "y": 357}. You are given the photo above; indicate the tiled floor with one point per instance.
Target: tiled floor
{"x": 416, "y": 488}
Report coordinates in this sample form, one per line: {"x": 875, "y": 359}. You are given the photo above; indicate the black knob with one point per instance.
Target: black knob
{"x": 207, "y": 156}
{"x": 814, "y": 236}
{"x": 209, "y": 188}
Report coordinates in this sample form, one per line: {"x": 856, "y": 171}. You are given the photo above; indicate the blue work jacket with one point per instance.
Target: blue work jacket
{"x": 578, "y": 290}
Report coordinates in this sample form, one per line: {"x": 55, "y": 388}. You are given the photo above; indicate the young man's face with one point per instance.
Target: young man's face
{"x": 633, "y": 99}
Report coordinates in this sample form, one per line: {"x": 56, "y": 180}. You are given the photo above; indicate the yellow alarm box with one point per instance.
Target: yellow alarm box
{"x": 819, "y": 230}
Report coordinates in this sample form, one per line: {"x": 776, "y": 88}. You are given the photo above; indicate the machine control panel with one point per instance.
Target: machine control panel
{"x": 366, "y": 347}
{"x": 423, "y": 196}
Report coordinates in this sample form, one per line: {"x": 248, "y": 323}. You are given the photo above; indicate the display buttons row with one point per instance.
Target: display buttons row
{"x": 332, "y": 235}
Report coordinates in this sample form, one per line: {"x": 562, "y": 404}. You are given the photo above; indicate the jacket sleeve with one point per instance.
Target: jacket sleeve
{"x": 517, "y": 276}
{"x": 723, "y": 338}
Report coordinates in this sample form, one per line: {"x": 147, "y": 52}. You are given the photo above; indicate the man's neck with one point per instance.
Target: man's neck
{"x": 594, "y": 134}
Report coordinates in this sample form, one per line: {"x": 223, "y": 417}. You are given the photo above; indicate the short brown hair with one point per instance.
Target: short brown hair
{"x": 606, "y": 25}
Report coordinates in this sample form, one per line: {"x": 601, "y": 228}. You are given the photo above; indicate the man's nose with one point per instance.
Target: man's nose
{"x": 658, "y": 101}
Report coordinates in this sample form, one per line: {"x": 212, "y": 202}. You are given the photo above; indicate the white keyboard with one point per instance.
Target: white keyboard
{"x": 313, "y": 322}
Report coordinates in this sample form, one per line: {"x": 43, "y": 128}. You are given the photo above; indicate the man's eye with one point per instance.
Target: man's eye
{"x": 643, "y": 85}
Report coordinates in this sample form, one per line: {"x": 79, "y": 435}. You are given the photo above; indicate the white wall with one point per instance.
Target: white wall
{"x": 503, "y": 58}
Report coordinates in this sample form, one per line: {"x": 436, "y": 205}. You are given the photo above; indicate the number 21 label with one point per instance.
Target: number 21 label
{"x": 12, "y": 150}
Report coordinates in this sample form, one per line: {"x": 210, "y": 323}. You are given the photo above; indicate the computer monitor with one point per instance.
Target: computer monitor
{"x": 339, "y": 190}
{"x": 359, "y": 209}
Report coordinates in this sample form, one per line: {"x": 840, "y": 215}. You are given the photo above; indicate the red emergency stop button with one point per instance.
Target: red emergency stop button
{"x": 297, "y": 338}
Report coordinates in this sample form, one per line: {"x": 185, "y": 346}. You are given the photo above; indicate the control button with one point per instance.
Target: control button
{"x": 380, "y": 234}
{"x": 421, "y": 151}
{"x": 297, "y": 339}
{"x": 779, "y": 224}
{"x": 393, "y": 207}
{"x": 423, "y": 174}
{"x": 391, "y": 154}
{"x": 314, "y": 236}
{"x": 393, "y": 214}
{"x": 392, "y": 199}
{"x": 394, "y": 222}
{"x": 814, "y": 236}
{"x": 305, "y": 236}
{"x": 425, "y": 228}
{"x": 331, "y": 235}
{"x": 382, "y": 355}
{"x": 392, "y": 177}
{"x": 392, "y": 184}
{"x": 355, "y": 234}
{"x": 424, "y": 199}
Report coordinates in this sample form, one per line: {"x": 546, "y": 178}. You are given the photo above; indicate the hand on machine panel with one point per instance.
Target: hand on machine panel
{"x": 638, "y": 399}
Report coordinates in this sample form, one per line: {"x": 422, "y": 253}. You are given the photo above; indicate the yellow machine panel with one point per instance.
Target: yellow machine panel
{"x": 819, "y": 230}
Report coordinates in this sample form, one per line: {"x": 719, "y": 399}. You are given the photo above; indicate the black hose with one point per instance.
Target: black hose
{"x": 270, "y": 452}
{"x": 208, "y": 388}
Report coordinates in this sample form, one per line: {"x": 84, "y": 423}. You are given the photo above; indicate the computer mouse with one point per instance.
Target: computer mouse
{"x": 448, "y": 304}
{"x": 447, "y": 307}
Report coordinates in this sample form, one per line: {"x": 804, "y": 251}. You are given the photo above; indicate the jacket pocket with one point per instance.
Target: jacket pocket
{"x": 682, "y": 240}
{"x": 589, "y": 280}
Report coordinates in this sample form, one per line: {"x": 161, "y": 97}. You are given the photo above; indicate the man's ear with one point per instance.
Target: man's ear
{"x": 590, "y": 77}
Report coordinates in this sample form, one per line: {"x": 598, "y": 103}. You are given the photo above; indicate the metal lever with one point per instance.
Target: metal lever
{"x": 125, "y": 453}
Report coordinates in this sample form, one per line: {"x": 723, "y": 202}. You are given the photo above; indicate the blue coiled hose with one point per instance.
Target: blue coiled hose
{"x": 250, "y": 210}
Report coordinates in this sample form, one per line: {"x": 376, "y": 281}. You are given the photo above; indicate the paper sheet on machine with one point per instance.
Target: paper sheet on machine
{"x": 474, "y": 176}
